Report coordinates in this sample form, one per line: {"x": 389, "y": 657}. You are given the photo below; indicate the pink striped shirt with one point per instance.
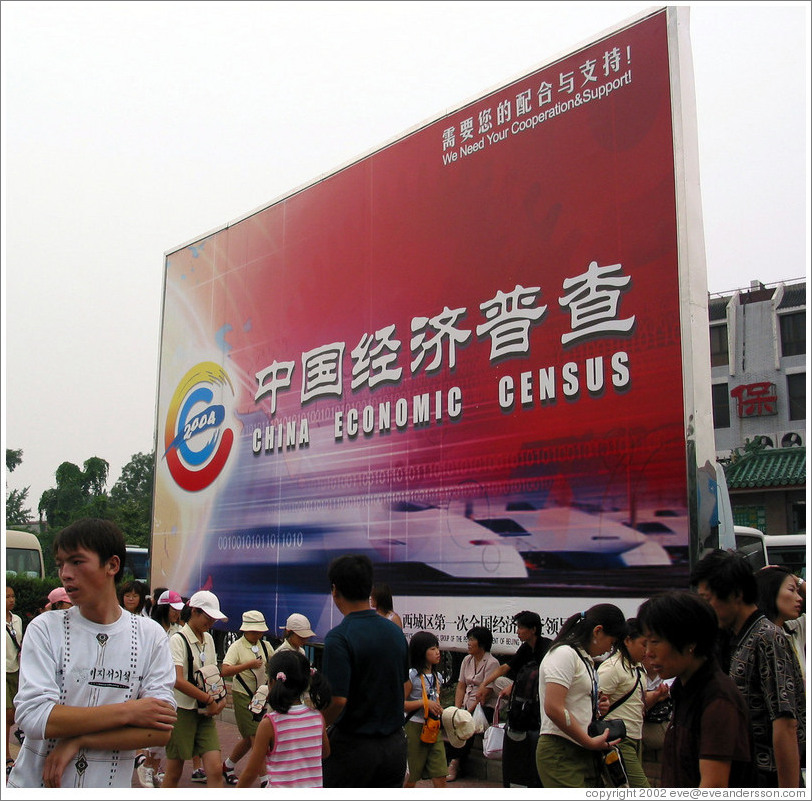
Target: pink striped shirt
{"x": 294, "y": 759}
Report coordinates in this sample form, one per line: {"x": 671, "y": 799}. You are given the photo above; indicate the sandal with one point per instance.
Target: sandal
{"x": 229, "y": 777}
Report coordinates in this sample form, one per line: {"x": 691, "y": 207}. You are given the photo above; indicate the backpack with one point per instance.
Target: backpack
{"x": 524, "y": 713}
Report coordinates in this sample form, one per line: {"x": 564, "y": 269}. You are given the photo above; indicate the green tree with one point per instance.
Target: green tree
{"x": 78, "y": 493}
{"x": 94, "y": 476}
{"x": 16, "y": 513}
{"x": 131, "y": 499}
{"x": 13, "y": 459}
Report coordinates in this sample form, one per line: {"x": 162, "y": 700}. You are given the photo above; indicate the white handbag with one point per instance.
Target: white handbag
{"x": 494, "y": 737}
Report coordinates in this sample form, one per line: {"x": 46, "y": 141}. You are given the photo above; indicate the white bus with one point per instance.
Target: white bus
{"x": 23, "y": 555}
{"x": 787, "y": 550}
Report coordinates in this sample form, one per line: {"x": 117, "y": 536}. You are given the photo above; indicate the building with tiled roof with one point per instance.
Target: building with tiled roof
{"x": 758, "y": 376}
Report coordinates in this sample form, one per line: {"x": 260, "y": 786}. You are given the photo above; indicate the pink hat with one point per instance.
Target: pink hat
{"x": 58, "y": 595}
{"x": 172, "y": 598}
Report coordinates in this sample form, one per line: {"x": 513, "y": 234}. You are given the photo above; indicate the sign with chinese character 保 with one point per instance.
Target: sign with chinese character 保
{"x": 460, "y": 355}
{"x": 755, "y": 400}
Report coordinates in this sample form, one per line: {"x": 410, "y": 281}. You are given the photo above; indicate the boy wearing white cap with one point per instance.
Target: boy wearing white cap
{"x": 195, "y": 733}
{"x": 246, "y": 660}
{"x": 297, "y": 633}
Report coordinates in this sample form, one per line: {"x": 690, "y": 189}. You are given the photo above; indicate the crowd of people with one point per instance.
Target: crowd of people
{"x": 713, "y": 679}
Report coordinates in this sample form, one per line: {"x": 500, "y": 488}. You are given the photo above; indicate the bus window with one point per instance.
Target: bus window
{"x": 789, "y": 551}
{"x": 137, "y": 563}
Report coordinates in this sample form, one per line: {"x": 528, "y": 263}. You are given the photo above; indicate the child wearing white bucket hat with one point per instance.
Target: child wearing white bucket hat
{"x": 247, "y": 661}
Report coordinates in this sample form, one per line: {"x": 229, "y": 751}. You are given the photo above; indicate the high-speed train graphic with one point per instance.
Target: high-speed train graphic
{"x": 558, "y": 536}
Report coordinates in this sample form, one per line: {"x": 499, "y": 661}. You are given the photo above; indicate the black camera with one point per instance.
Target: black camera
{"x": 616, "y": 727}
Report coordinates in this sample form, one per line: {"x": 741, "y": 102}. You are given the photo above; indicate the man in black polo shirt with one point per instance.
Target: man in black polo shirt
{"x": 366, "y": 662}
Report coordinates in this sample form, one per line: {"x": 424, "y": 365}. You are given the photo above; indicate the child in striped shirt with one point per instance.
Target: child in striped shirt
{"x": 291, "y": 740}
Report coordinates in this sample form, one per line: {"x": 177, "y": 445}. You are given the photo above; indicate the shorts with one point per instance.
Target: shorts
{"x": 12, "y": 685}
{"x": 562, "y": 763}
{"x": 246, "y": 725}
{"x": 359, "y": 761}
{"x": 194, "y": 735}
{"x": 425, "y": 760}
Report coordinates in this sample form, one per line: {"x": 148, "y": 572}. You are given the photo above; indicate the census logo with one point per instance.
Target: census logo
{"x": 197, "y": 441}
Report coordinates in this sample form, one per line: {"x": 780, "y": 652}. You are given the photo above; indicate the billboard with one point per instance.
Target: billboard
{"x": 461, "y": 354}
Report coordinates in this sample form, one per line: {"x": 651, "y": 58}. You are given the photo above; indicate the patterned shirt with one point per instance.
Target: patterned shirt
{"x": 764, "y": 668}
{"x": 294, "y": 759}
{"x": 72, "y": 661}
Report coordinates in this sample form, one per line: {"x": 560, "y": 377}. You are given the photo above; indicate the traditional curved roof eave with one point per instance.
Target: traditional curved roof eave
{"x": 771, "y": 468}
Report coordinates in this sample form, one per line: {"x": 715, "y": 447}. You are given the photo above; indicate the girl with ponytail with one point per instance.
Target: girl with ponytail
{"x": 291, "y": 739}
{"x": 566, "y": 755}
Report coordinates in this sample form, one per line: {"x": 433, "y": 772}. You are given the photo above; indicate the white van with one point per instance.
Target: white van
{"x": 787, "y": 550}
{"x": 23, "y": 555}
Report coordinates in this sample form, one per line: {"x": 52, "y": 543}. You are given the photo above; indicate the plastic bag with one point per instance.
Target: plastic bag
{"x": 480, "y": 721}
{"x": 614, "y": 769}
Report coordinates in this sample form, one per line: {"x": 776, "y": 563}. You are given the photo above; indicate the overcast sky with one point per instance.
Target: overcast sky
{"x": 132, "y": 128}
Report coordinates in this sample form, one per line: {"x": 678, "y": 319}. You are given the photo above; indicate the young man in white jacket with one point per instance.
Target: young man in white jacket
{"x": 94, "y": 655}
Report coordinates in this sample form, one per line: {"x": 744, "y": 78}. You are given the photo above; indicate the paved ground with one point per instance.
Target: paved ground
{"x": 229, "y": 736}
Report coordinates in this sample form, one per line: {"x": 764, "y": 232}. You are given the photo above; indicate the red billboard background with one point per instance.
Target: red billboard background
{"x": 471, "y": 326}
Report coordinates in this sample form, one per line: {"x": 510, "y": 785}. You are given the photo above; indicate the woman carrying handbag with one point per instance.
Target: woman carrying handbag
{"x": 475, "y": 667}
{"x": 568, "y": 755}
